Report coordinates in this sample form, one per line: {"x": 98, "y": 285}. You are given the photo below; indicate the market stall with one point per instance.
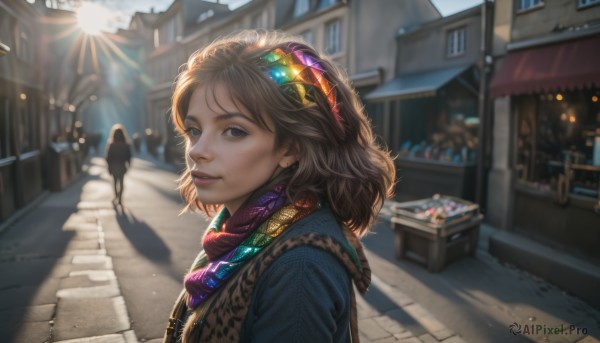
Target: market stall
{"x": 436, "y": 231}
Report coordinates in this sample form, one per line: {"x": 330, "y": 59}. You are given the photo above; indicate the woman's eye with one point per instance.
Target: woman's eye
{"x": 235, "y": 132}
{"x": 192, "y": 132}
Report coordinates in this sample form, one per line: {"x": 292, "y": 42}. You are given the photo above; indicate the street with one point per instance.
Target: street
{"x": 77, "y": 269}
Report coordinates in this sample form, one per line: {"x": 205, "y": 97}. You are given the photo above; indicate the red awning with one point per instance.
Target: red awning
{"x": 567, "y": 65}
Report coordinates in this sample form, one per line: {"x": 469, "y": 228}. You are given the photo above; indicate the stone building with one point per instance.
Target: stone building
{"x": 544, "y": 184}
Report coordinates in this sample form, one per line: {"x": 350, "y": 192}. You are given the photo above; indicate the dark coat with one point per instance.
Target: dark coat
{"x": 118, "y": 158}
{"x": 298, "y": 289}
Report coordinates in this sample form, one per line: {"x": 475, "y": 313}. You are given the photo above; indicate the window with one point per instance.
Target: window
{"x": 205, "y": 15}
{"x": 333, "y": 37}
{"x": 23, "y": 43}
{"x": 307, "y": 36}
{"x": 167, "y": 33}
{"x": 526, "y": 4}
{"x": 326, "y": 3}
{"x": 556, "y": 128}
{"x": 586, "y": 3}
{"x": 300, "y": 7}
{"x": 5, "y": 131}
{"x": 258, "y": 20}
{"x": 25, "y": 132}
{"x": 457, "y": 44}
{"x": 171, "y": 31}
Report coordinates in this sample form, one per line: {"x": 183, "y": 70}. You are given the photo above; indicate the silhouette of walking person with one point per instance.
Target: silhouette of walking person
{"x": 118, "y": 158}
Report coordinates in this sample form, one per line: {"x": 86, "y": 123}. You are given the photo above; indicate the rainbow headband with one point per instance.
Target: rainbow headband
{"x": 295, "y": 70}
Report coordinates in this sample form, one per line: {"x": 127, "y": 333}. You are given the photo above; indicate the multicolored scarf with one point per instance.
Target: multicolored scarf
{"x": 232, "y": 241}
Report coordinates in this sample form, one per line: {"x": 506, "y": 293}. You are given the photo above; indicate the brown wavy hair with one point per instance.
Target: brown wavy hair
{"x": 117, "y": 134}
{"x": 339, "y": 163}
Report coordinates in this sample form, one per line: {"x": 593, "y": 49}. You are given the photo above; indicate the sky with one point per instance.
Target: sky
{"x": 123, "y": 9}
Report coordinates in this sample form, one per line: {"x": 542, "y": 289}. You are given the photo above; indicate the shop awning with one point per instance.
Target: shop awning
{"x": 415, "y": 85}
{"x": 567, "y": 65}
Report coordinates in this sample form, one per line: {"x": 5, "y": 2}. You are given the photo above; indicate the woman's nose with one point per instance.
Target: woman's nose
{"x": 200, "y": 149}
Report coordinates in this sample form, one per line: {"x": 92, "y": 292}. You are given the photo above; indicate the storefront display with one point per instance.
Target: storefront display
{"x": 556, "y": 143}
{"x": 445, "y": 163}
{"x": 457, "y": 143}
{"x": 557, "y": 191}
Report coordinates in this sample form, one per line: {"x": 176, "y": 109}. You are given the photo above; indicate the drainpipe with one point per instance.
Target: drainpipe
{"x": 485, "y": 62}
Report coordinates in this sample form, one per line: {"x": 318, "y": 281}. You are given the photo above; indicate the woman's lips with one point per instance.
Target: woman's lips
{"x": 202, "y": 179}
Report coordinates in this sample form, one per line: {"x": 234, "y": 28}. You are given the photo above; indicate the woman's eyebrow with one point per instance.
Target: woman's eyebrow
{"x": 230, "y": 115}
{"x": 190, "y": 119}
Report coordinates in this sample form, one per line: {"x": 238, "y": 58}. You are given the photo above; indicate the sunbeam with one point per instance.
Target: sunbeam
{"x": 120, "y": 53}
{"x": 82, "y": 50}
{"x": 93, "y": 18}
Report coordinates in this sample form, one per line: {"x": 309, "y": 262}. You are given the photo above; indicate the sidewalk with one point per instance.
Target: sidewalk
{"x": 61, "y": 285}
{"x": 435, "y": 330}
{"x": 63, "y": 288}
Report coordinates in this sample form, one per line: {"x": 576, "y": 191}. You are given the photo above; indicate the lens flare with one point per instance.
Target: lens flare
{"x": 93, "y": 18}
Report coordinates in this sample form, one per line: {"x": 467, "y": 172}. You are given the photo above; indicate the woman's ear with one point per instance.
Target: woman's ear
{"x": 289, "y": 157}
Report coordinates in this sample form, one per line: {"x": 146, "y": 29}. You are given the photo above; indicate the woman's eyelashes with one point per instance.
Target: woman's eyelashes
{"x": 192, "y": 132}
{"x": 232, "y": 131}
{"x": 235, "y": 132}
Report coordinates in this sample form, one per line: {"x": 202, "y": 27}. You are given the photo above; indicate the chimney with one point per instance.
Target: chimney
{"x": 152, "y": 10}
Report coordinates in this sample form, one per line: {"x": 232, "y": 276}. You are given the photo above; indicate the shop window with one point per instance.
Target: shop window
{"x": 558, "y": 143}
{"x": 300, "y": 7}
{"x": 456, "y": 42}
{"x": 587, "y": 3}
{"x": 333, "y": 37}
{"x": 527, "y": 4}
{"x": 442, "y": 128}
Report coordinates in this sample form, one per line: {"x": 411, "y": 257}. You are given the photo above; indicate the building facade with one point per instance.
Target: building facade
{"x": 22, "y": 117}
{"x": 432, "y": 112}
{"x": 342, "y": 29}
{"x": 544, "y": 183}
{"x": 51, "y": 75}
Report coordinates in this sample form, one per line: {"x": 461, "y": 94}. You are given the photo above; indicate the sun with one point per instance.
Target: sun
{"x": 93, "y": 18}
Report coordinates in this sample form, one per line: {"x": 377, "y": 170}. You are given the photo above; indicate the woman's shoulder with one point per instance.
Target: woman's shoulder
{"x": 311, "y": 244}
{"x": 321, "y": 222}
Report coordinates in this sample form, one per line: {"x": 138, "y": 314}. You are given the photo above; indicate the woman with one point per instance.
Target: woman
{"x": 279, "y": 151}
{"x": 118, "y": 158}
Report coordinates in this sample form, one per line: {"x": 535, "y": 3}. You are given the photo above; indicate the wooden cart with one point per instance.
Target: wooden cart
{"x": 435, "y": 245}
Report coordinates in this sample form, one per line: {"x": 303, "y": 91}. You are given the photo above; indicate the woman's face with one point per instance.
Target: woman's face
{"x": 228, "y": 154}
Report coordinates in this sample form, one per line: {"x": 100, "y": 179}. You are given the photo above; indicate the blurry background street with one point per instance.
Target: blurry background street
{"x": 494, "y": 104}
{"x": 43, "y": 294}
